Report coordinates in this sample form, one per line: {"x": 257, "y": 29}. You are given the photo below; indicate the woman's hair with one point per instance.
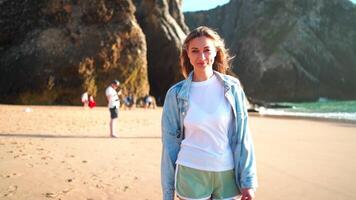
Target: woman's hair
{"x": 222, "y": 59}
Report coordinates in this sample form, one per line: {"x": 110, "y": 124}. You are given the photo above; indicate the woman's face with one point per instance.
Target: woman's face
{"x": 201, "y": 53}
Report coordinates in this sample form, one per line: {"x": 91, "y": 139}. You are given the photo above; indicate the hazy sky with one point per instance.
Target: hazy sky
{"x": 194, "y": 5}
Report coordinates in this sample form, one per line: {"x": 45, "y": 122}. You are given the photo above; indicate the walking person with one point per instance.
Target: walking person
{"x": 85, "y": 99}
{"x": 114, "y": 104}
{"x": 207, "y": 147}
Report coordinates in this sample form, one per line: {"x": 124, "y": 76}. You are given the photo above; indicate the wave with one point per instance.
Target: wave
{"x": 347, "y": 116}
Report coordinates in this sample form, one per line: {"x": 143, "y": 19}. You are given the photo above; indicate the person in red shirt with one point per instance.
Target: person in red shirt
{"x": 92, "y": 102}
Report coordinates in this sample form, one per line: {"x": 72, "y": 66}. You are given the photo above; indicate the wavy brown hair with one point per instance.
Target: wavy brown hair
{"x": 222, "y": 59}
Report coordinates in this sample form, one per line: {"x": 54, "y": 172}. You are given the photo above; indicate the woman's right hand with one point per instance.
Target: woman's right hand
{"x": 247, "y": 194}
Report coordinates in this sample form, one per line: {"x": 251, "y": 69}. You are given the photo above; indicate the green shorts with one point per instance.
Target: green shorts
{"x": 194, "y": 184}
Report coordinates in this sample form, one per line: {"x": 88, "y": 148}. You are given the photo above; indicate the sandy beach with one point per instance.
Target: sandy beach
{"x": 65, "y": 152}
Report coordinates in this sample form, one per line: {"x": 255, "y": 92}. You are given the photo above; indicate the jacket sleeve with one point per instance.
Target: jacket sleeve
{"x": 170, "y": 144}
{"x": 247, "y": 162}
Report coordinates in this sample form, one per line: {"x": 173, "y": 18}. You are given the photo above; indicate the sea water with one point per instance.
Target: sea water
{"x": 324, "y": 108}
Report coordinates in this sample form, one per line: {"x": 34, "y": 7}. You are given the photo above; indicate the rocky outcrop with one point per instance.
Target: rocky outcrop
{"x": 52, "y": 51}
{"x": 289, "y": 50}
{"x": 163, "y": 25}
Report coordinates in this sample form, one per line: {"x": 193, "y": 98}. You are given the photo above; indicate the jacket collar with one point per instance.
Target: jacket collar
{"x": 184, "y": 91}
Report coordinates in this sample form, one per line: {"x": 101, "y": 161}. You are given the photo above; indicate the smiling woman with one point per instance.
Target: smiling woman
{"x": 207, "y": 148}
{"x": 193, "y": 5}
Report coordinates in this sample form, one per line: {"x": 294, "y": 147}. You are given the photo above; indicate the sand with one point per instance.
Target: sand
{"x": 63, "y": 152}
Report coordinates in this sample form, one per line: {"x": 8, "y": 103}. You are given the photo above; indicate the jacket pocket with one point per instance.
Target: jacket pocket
{"x": 173, "y": 132}
{"x": 176, "y": 133}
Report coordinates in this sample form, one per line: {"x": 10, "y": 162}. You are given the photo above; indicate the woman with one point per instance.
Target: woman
{"x": 207, "y": 148}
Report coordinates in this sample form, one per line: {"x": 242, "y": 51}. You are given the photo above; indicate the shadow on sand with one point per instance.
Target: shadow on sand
{"x": 74, "y": 136}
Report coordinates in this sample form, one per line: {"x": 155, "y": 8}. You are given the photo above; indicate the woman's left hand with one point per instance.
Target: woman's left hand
{"x": 247, "y": 194}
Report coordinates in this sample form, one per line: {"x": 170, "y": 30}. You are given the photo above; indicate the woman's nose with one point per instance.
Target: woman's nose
{"x": 201, "y": 56}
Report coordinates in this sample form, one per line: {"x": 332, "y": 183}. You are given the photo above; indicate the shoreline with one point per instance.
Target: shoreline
{"x": 250, "y": 113}
{"x": 311, "y": 118}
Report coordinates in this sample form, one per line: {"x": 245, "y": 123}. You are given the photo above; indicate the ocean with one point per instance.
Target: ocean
{"x": 324, "y": 108}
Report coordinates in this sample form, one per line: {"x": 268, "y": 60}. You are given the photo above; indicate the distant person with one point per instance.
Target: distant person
{"x": 149, "y": 102}
{"x": 85, "y": 99}
{"x": 207, "y": 147}
{"x": 92, "y": 102}
{"x": 129, "y": 101}
{"x": 114, "y": 104}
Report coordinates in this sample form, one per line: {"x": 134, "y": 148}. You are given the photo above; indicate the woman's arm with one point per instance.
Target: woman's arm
{"x": 247, "y": 162}
{"x": 170, "y": 143}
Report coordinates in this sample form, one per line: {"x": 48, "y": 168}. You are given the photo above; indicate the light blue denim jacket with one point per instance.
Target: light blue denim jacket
{"x": 175, "y": 109}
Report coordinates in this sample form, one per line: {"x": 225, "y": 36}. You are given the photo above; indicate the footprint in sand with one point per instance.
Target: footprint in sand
{"x": 10, "y": 191}
{"x": 69, "y": 180}
{"x": 69, "y": 156}
{"x": 46, "y": 158}
{"x": 30, "y": 165}
{"x": 115, "y": 177}
{"x": 51, "y": 195}
{"x": 71, "y": 169}
{"x": 12, "y": 175}
{"x": 126, "y": 188}
{"x": 65, "y": 191}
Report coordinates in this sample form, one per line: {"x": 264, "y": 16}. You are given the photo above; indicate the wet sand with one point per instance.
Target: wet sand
{"x": 63, "y": 152}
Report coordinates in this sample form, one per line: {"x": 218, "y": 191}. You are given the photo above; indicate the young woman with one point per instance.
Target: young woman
{"x": 207, "y": 148}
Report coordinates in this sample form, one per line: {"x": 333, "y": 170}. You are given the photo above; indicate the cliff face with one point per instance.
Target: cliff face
{"x": 289, "y": 50}
{"x": 165, "y": 30}
{"x": 52, "y": 51}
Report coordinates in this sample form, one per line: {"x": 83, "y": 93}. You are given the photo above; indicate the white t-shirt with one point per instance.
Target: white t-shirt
{"x": 113, "y": 97}
{"x": 206, "y": 144}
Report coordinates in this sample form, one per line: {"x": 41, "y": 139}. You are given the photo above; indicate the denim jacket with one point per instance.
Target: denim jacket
{"x": 175, "y": 109}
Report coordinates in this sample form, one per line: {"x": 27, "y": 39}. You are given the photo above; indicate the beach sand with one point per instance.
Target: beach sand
{"x": 64, "y": 152}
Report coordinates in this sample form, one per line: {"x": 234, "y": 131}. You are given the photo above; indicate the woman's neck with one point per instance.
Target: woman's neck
{"x": 203, "y": 75}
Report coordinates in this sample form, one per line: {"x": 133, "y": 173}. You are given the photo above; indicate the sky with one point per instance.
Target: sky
{"x": 195, "y": 5}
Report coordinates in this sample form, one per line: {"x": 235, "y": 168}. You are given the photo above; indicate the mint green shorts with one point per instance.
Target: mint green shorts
{"x": 194, "y": 184}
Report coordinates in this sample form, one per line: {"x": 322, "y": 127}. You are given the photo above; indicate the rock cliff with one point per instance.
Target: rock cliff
{"x": 289, "y": 50}
{"x": 163, "y": 24}
{"x": 52, "y": 51}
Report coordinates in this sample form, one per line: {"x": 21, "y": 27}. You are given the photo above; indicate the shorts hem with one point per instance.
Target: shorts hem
{"x": 187, "y": 198}
{"x": 229, "y": 198}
